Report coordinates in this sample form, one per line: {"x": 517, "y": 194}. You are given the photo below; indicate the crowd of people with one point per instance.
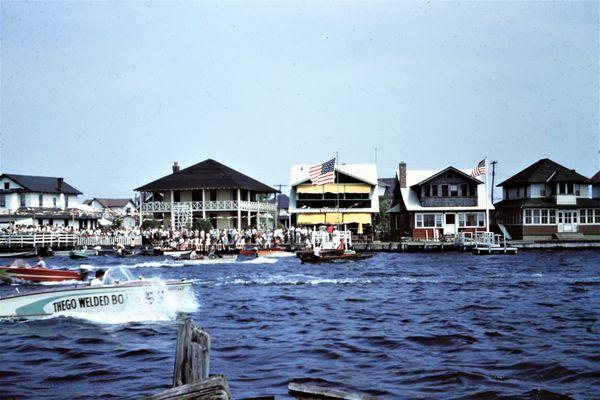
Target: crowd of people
{"x": 223, "y": 239}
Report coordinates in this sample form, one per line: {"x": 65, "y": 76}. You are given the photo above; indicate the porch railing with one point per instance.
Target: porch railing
{"x": 218, "y": 205}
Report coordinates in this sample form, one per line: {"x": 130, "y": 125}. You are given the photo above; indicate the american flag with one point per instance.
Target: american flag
{"x": 481, "y": 168}
{"x": 323, "y": 173}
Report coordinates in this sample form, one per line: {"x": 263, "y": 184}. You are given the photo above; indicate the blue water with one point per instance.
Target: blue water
{"x": 415, "y": 326}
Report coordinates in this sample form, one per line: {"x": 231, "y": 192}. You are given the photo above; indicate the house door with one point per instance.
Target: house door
{"x": 450, "y": 225}
{"x": 567, "y": 220}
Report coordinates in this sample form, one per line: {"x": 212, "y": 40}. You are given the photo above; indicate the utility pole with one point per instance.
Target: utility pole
{"x": 493, "y": 177}
{"x": 375, "y": 156}
{"x": 278, "y": 186}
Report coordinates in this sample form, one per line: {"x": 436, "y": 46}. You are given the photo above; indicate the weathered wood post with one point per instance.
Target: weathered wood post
{"x": 192, "y": 359}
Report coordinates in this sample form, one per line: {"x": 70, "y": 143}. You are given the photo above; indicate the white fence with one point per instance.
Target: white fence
{"x": 58, "y": 240}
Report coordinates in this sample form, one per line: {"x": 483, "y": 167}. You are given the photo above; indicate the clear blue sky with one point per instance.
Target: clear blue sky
{"x": 109, "y": 94}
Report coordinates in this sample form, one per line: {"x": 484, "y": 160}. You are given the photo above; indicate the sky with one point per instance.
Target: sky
{"x": 110, "y": 94}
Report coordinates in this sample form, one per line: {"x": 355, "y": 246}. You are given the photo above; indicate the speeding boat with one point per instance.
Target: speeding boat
{"x": 119, "y": 292}
{"x": 332, "y": 256}
{"x": 19, "y": 270}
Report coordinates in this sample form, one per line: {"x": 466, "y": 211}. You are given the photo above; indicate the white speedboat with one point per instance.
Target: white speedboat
{"x": 119, "y": 292}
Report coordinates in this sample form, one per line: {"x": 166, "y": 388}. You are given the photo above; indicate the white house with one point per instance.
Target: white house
{"x": 112, "y": 207}
{"x": 41, "y": 200}
{"x": 350, "y": 200}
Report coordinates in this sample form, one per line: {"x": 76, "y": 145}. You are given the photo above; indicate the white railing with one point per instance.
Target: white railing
{"x": 57, "y": 240}
{"x": 218, "y": 205}
{"x": 38, "y": 240}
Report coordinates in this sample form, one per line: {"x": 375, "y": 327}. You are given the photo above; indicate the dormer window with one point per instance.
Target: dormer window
{"x": 6, "y": 185}
{"x": 426, "y": 190}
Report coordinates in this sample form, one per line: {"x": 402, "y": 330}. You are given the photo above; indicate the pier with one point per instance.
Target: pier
{"x": 60, "y": 240}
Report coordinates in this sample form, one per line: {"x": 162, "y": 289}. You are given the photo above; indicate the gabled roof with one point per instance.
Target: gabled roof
{"x": 389, "y": 185}
{"x": 363, "y": 172}
{"x": 208, "y": 174}
{"x": 42, "y": 184}
{"x": 411, "y": 201}
{"x": 112, "y": 203}
{"x": 596, "y": 178}
{"x": 459, "y": 172}
{"x": 543, "y": 171}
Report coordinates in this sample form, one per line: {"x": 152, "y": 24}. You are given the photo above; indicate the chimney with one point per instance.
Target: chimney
{"x": 402, "y": 174}
{"x": 175, "y": 167}
{"x": 59, "y": 184}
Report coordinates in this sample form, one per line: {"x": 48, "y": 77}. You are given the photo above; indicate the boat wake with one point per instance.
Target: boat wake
{"x": 159, "y": 305}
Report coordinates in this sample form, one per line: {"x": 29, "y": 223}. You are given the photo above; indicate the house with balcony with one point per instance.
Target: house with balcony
{"x": 430, "y": 204}
{"x": 547, "y": 200}
{"x": 208, "y": 190}
{"x": 351, "y": 200}
{"x": 596, "y": 186}
{"x": 41, "y": 200}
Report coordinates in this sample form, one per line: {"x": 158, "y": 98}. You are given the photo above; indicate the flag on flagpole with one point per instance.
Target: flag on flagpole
{"x": 323, "y": 173}
{"x": 480, "y": 169}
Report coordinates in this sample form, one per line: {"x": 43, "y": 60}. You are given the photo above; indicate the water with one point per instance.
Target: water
{"x": 396, "y": 326}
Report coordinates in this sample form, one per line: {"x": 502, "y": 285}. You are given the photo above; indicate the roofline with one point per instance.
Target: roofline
{"x": 76, "y": 192}
{"x": 444, "y": 170}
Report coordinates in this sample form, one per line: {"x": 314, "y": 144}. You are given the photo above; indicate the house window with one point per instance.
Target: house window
{"x": 428, "y": 220}
{"x": 434, "y": 190}
{"x": 213, "y": 194}
{"x": 464, "y": 190}
{"x": 54, "y": 201}
{"x": 66, "y": 201}
{"x": 543, "y": 192}
{"x": 22, "y": 200}
{"x": 444, "y": 190}
{"x": 6, "y": 185}
{"x": 426, "y": 192}
{"x": 552, "y": 217}
{"x": 176, "y": 196}
{"x": 471, "y": 220}
{"x": 2, "y": 200}
{"x": 528, "y": 217}
{"x": 40, "y": 200}
{"x": 128, "y": 210}
{"x": 454, "y": 190}
{"x": 597, "y": 216}
{"x": 544, "y": 217}
{"x": 536, "y": 217}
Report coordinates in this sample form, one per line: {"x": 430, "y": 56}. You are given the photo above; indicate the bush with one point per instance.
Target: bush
{"x": 151, "y": 224}
{"x": 202, "y": 225}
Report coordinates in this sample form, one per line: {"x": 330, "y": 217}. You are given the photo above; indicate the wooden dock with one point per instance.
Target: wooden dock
{"x": 57, "y": 240}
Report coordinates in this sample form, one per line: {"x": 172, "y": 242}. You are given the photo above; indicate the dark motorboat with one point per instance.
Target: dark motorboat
{"x": 332, "y": 256}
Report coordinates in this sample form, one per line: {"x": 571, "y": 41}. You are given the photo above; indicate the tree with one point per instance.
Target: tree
{"x": 202, "y": 224}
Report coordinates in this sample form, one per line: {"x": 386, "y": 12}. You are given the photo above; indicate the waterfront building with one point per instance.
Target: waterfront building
{"x": 596, "y": 186}
{"x": 547, "y": 200}
{"x": 283, "y": 209}
{"x": 351, "y": 200}
{"x": 430, "y": 204}
{"x": 112, "y": 207}
{"x": 208, "y": 190}
{"x": 41, "y": 200}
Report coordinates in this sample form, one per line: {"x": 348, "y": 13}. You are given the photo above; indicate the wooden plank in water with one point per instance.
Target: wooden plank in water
{"x": 302, "y": 391}
{"x": 213, "y": 388}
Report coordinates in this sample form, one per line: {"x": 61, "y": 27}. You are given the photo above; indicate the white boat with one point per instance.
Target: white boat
{"x": 119, "y": 292}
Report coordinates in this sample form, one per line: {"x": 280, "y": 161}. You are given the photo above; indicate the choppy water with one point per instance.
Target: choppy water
{"x": 396, "y": 326}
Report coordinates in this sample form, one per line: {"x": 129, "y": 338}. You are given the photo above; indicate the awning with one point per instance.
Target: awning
{"x": 334, "y": 218}
{"x": 310, "y": 219}
{"x": 358, "y": 218}
{"x": 334, "y": 188}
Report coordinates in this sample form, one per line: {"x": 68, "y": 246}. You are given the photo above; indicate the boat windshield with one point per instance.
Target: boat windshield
{"x": 19, "y": 264}
{"x": 116, "y": 275}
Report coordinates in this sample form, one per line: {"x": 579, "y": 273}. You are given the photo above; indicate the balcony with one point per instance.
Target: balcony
{"x": 219, "y": 205}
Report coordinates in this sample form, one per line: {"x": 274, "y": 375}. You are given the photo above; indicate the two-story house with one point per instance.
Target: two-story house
{"x": 208, "y": 190}
{"x": 431, "y": 204}
{"x": 351, "y": 200}
{"x": 596, "y": 186}
{"x": 547, "y": 200}
{"x": 41, "y": 200}
{"x": 112, "y": 207}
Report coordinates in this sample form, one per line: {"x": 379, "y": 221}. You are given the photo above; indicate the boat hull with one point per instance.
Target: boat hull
{"x": 34, "y": 274}
{"x": 332, "y": 258}
{"x": 88, "y": 299}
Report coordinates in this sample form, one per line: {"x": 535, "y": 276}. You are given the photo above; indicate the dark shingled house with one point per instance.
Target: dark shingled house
{"x": 547, "y": 200}
{"x": 208, "y": 190}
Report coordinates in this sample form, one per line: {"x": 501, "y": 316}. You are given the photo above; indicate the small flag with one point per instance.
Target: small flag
{"x": 481, "y": 168}
{"x": 323, "y": 173}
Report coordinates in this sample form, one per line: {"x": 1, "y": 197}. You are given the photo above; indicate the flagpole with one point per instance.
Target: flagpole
{"x": 337, "y": 189}
{"x": 487, "y": 208}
